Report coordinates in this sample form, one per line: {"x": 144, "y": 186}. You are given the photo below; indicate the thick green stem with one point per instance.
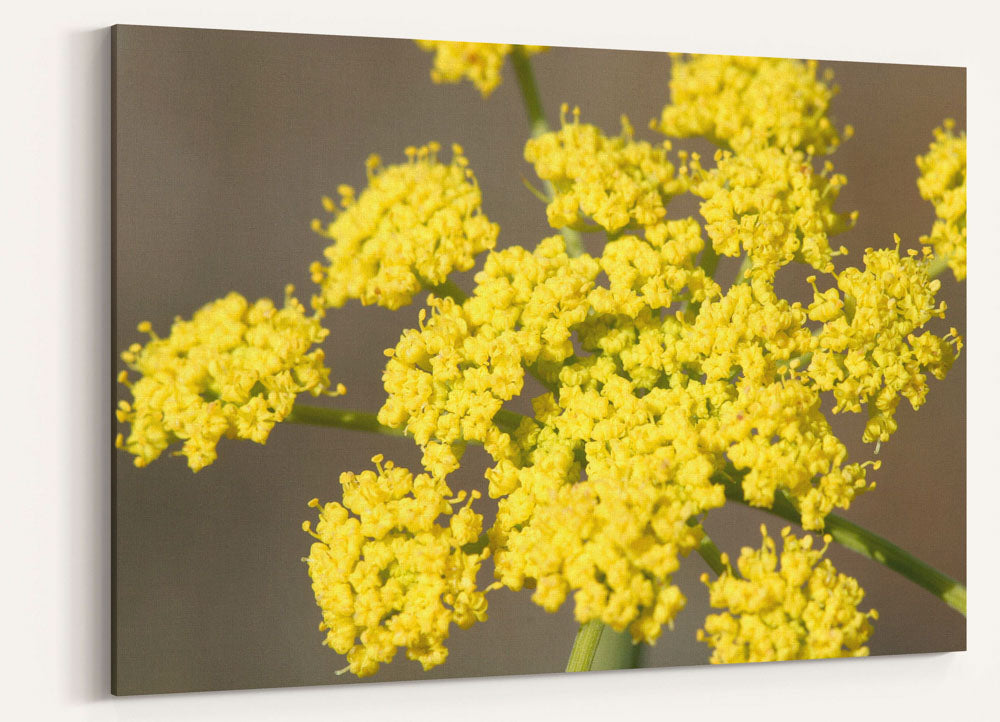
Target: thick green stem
{"x": 581, "y": 657}
{"x": 599, "y": 647}
{"x": 539, "y": 126}
{"x": 871, "y": 545}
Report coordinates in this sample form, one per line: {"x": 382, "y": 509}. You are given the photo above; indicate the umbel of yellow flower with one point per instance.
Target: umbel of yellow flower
{"x": 479, "y": 63}
{"x": 784, "y": 607}
{"x": 597, "y": 489}
{"x": 233, "y": 370}
{"x": 741, "y": 102}
{"x": 942, "y": 182}
{"x": 415, "y": 223}
{"x": 614, "y": 181}
{"x": 387, "y": 574}
{"x": 771, "y": 205}
{"x": 660, "y": 384}
{"x": 868, "y": 351}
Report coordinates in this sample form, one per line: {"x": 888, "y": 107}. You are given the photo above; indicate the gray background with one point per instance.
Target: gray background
{"x": 225, "y": 142}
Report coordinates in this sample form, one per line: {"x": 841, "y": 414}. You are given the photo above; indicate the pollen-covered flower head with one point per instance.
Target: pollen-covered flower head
{"x": 597, "y": 489}
{"x": 613, "y": 180}
{"x": 233, "y": 370}
{"x": 387, "y": 574}
{"x": 414, "y": 224}
{"x": 741, "y": 102}
{"x": 480, "y": 63}
{"x": 868, "y": 349}
{"x": 942, "y": 182}
{"x": 787, "y": 606}
{"x": 771, "y": 205}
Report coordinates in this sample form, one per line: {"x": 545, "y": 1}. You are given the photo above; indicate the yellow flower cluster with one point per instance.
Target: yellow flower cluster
{"x": 388, "y": 575}
{"x": 659, "y": 383}
{"x": 867, "y": 351}
{"x": 795, "y": 606}
{"x": 942, "y": 182}
{"x": 415, "y": 223}
{"x": 233, "y": 370}
{"x": 480, "y": 63}
{"x": 740, "y": 103}
{"x": 596, "y": 490}
{"x": 614, "y": 181}
{"x": 771, "y": 205}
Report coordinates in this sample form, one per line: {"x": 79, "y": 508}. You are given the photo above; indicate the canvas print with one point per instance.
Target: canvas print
{"x": 450, "y": 359}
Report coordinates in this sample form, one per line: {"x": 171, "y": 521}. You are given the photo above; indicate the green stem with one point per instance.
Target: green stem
{"x": 598, "y": 647}
{"x": 539, "y": 126}
{"x": 616, "y": 650}
{"x": 709, "y": 260}
{"x": 339, "y": 418}
{"x": 529, "y": 91}
{"x": 362, "y": 421}
{"x": 712, "y": 556}
{"x": 741, "y": 274}
{"x": 581, "y": 657}
{"x": 871, "y": 545}
{"x": 449, "y": 289}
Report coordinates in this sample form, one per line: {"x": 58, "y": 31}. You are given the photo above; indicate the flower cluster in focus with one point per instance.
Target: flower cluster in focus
{"x": 415, "y": 223}
{"x": 742, "y": 102}
{"x": 615, "y": 181}
{"x": 663, "y": 387}
{"x": 233, "y": 370}
{"x": 781, "y": 607}
{"x": 387, "y": 575}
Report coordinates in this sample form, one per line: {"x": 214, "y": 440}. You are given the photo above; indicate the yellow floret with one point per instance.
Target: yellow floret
{"x": 868, "y": 349}
{"x": 771, "y": 205}
{"x": 413, "y": 225}
{"x": 615, "y": 181}
{"x": 787, "y": 607}
{"x": 742, "y": 103}
{"x": 387, "y": 575}
{"x": 233, "y": 370}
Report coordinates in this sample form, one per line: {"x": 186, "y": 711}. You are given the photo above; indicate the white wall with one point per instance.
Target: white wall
{"x": 55, "y": 433}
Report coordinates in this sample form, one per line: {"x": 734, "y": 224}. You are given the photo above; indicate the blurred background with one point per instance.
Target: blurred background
{"x": 224, "y": 144}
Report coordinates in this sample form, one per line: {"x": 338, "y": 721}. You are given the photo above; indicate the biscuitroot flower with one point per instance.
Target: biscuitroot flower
{"x": 233, "y": 370}
{"x": 780, "y": 607}
{"x": 615, "y": 181}
{"x": 942, "y": 182}
{"x": 740, "y": 103}
{"x": 479, "y": 63}
{"x": 414, "y": 224}
{"x": 387, "y": 574}
{"x": 772, "y": 206}
{"x": 664, "y": 391}
{"x": 868, "y": 352}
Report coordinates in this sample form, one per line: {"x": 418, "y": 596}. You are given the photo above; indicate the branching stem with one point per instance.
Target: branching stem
{"x": 539, "y": 126}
